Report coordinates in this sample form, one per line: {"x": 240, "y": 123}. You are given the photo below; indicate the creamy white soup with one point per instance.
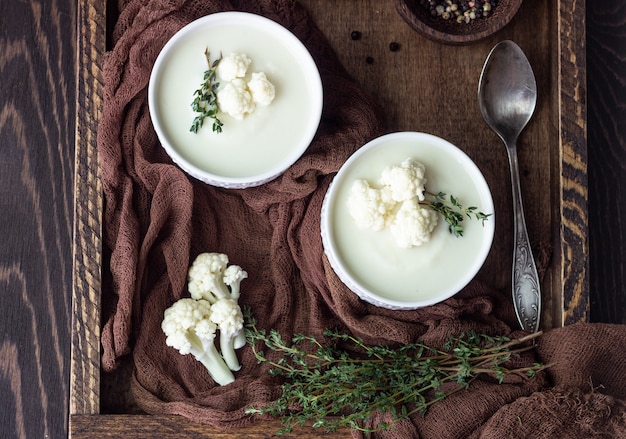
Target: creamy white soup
{"x": 417, "y": 274}
{"x": 263, "y": 139}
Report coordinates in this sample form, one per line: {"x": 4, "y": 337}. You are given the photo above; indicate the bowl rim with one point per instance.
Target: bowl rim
{"x": 329, "y": 244}
{"x": 289, "y": 40}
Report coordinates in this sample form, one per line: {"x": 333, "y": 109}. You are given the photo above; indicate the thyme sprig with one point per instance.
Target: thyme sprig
{"x": 342, "y": 382}
{"x": 205, "y": 98}
{"x": 453, "y": 211}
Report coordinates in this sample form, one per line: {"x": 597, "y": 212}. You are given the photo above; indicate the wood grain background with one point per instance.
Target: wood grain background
{"x": 37, "y": 114}
{"x": 38, "y": 92}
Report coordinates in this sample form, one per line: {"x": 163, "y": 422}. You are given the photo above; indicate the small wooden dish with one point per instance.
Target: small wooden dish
{"x": 450, "y": 31}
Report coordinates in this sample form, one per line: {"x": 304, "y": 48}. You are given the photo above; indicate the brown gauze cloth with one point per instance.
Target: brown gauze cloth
{"x": 157, "y": 220}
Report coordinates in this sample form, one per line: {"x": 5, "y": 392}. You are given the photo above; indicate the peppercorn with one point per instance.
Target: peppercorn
{"x": 463, "y": 11}
{"x": 394, "y": 47}
{"x": 369, "y": 60}
{"x": 355, "y": 35}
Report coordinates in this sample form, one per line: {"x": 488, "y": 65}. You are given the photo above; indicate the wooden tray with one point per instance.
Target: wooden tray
{"x": 423, "y": 86}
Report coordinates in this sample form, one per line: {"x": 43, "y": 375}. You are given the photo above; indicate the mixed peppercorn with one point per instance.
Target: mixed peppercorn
{"x": 462, "y": 11}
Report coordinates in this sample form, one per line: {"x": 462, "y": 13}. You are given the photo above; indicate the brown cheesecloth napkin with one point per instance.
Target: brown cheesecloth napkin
{"x": 157, "y": 219}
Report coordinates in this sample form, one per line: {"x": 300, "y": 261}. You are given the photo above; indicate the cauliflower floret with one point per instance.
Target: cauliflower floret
{"x": 405, "y": 180}
{"x": 188, "y": 328}
{"x": 261, "y": 89}
{"x": 239, "y": 96}
{"x": 235, "y": 99}
{"x": 205, "y": 277}
{"x": 233, "y": 66}
{"x": 370, "y": 208}
{"x": 227, "y": 315}
{"x": 413, "y": 224}
{"x": 233, "y": 275}
{"x": 211, "y": 278}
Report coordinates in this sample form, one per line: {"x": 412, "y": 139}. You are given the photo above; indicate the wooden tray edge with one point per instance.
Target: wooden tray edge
{"x": 88, "y": 203}
{"x": 571, "y": 250}
{"x": 177, "y": 427}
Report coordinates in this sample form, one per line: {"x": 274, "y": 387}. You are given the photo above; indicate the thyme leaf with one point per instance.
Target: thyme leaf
{"x": 205, "y": 98}
{"x": 453, "y": 211}
{"x": 339, "y": 381}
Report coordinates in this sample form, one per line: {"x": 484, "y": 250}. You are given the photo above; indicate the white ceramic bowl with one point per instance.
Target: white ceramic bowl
{"x": 371, "y": 264}
{"x": 264, "y": 144}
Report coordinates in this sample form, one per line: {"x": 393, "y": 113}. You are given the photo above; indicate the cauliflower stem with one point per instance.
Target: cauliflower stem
{"x": 227, "y": 315}
{"x": 217, "y": 367}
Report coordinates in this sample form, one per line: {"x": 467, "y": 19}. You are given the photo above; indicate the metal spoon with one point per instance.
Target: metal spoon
{"x": 507, "y": 94}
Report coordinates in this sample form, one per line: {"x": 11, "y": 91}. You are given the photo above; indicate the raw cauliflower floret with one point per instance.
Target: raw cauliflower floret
{"x": 205, "y": 277}
{"x": 413, "y": 224}
{"x": 235, "y": 99}
{"x": 210, "y": 278}
{"x": 405, "y": 180}
{"x": 261, "y": 89}
{"x": 188, "y": 328}
{"x": 233, "y": 66}
{"x": 227, "y": 315}
{"x": 370, "y": 208}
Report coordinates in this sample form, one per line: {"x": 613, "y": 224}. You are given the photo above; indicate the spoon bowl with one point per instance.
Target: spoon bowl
{"x": 507, "y": 93}
{"x": 507, "y": 96}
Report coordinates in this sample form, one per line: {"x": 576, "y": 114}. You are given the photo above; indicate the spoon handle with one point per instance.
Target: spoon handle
{"x": 525, "y": 280}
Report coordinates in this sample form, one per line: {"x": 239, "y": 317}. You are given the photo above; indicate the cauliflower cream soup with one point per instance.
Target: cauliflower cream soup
{"x": 261, "y": 145}
{"x": 371, "y": 263}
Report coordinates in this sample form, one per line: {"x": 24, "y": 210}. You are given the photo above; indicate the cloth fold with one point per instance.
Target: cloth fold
{"x": 157, "y": 219}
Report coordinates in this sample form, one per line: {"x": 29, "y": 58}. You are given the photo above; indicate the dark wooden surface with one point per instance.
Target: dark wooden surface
{"x": 37, "y": 114}
{"x": 606, "y": 121}
{"x": 38, "y": 95}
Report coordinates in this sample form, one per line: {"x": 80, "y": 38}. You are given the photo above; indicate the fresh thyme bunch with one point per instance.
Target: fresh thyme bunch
{"x": 205, "y": 100}
{"x": 453, "y": 211}
{"x": 333, "y": 387}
